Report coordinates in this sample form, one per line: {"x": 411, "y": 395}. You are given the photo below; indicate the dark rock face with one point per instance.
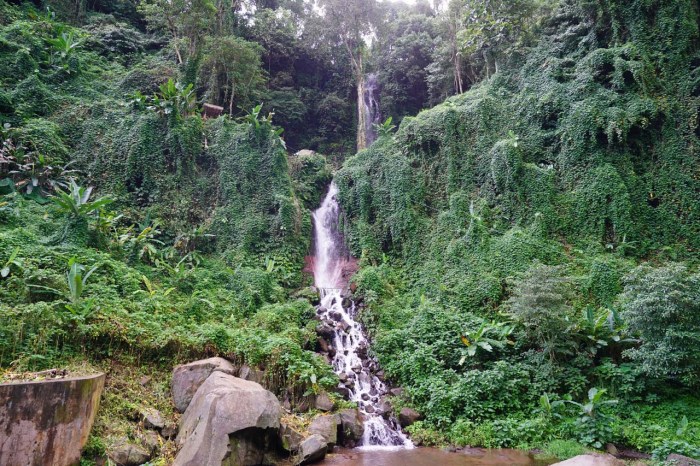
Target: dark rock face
{"x": 47, "y": 422}
{"x": 188, "y": 377}
{"x": 230, "y": 421}
{"x": 351, "y": 427}
{"x": 408, "y": 416}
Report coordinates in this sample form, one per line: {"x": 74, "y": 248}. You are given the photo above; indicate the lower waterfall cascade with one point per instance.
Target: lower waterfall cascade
{"x": 356, "y": 369}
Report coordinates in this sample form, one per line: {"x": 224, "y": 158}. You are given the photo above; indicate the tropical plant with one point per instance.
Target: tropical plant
{"x": 30, "y": 171}
{"x": 9, "y": 263}
{"x": 64, "y": 46}
{"x": 593, "y": 425}
{"x": 143, "y": 245}
{"x": 76, "y": 202}
{"x": 601, "y": 328}
{"x": 385, "y": 129}
{"x": 486, "y": 337}
{"x": 151, "y": 290}
{"x": 77, "y": 279}
{"x": 550, "y": 408}
{"x": 174, "y": 99}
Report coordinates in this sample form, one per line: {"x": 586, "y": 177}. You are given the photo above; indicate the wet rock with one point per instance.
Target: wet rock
{"x": 351, "y": 427}
{"x": 290, "y": 438}
{"x": 383, "y": 408}
{"x": 342, "y": 377}
{"x": 312, "y": 449}
{"x": 128, "y": 454}
{"x": 408, "y": 416}
{"x": 323, "y": 345}
{"x": 227, "y": 416}
{"x": 365, "y": 397}
{"x": 327, "y": 427}
{"x": 369, "y": 408}
{"x": 152, "y": 419}
{"x": 325, "y": 330}
{"x": 592, "y": 460}
{"x": 346, "y": 303}
{"x": 357, "y": 369}
{"x": 324, "y": 403}
{"x": 343, "y": 391}
{"x": 188, "y": 377}
{"x": 680, "y": 460}
{"x": 373, "y": 391}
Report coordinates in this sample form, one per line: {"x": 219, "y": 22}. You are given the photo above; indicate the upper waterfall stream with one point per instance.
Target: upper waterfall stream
{"x": 356, "y": 369}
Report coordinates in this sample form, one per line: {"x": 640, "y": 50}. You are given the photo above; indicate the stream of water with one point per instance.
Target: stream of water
{"x": 356, "y": 369}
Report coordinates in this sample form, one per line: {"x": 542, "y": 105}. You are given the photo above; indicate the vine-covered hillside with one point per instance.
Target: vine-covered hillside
{"x": 549, "y": 218}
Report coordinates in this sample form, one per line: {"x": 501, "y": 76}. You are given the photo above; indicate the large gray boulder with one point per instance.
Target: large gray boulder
{"x": 327, "y": 427}
{"x": 352, "y": 427}
{"x": 230, "y": 421}
{"x": 188, "y": 377}
{"x": 313, "y": 449}
{"x": 592, "y": 460}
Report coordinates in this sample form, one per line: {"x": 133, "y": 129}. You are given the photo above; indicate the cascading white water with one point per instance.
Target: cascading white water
{"x": 356, "y": 370}
{"x": 371, "y": 107}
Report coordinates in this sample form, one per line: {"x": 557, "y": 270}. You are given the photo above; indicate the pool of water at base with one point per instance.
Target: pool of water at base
{"x": 432, "y": 456}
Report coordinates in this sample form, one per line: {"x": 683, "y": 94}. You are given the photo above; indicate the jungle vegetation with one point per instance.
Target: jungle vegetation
{"x": 527, "y": 222}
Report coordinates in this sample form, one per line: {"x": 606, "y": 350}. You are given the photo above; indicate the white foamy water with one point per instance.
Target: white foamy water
{"x": 355, "y": 368}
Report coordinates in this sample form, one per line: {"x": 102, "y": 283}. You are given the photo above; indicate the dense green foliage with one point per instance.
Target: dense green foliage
{"x": 528, "y": 203}
{"x": 528, "y": 248}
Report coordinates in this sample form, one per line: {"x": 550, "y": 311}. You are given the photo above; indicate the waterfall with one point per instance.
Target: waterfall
{"x": 355, "y": 368}
{"x": 367, "y": 110}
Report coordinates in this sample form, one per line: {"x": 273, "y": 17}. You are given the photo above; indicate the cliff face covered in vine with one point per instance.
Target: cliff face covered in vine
{"x": 530, "y": 201}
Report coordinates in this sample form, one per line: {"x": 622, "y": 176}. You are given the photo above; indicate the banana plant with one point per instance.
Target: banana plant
{"x": 386, "y": 128}
{"x": 7, "y": 268}
{"x": 151, "y": 290}
{"x": 486, "y": 337}
{"x": 592, "y": 424}
{"x": 76, "y": 202}
{"x": 77, "y": 279}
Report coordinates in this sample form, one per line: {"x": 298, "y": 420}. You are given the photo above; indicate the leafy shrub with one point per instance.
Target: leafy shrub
{"x": 539, "y": 303}
{"x": 663, "y": 306}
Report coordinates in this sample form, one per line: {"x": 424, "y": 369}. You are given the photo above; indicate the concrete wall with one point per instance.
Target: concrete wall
{"x": 47, "y": 423}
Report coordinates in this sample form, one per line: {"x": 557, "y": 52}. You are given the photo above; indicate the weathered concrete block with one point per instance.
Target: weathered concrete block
{"x": 47, "y": 422}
